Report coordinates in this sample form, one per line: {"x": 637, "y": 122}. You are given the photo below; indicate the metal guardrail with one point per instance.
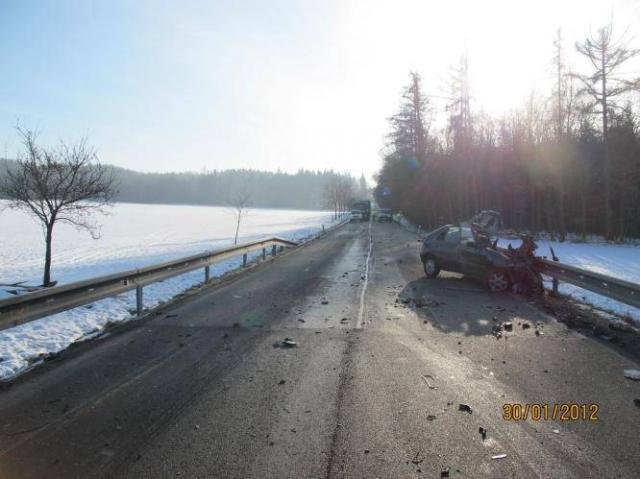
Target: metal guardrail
{"x": 614, "y": 288}
{"x": 27, "y": 307}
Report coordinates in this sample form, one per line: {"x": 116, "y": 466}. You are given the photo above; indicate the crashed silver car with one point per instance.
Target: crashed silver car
{"x": 470, "y": 251}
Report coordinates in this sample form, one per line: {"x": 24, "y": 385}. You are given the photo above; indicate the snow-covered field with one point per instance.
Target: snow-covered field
{"x": 617, "y": 260}
{"x": 133, "y": 235}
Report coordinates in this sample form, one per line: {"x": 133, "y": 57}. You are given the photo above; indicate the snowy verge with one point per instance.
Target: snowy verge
{"x": 25, "y": 346}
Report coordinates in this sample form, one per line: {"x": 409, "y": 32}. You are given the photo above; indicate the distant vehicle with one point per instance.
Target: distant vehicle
{"x": 385, "y": 215}
{"x": 469, "y": 251}
{"x": 364, "y": 207}
{"x": 356, "y": 215}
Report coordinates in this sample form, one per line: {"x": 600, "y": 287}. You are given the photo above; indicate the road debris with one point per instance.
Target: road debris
{"x": 508, "y": 326}
{"x": 444, "y": 472}
{"x": 432, "y": 417}
{"x": 556, "y": 431}
{"x": 496, "y": 331}
{"x": 285, "y": 343}
{"x": 465, "y": 408}
{"x": 324, "y": 301}
{"x": 483, "y": 433}
{"x": 633, "y": 374}
{"x": 620, "y": 325}
{"x": 416, "y": 459}
{"x": 499, "y": 456}
{"x": 282, "y": 381}
{"x": 428, "y": 377}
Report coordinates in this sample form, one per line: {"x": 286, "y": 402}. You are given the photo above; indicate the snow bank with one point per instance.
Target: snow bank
{"x": 132, "y": 236}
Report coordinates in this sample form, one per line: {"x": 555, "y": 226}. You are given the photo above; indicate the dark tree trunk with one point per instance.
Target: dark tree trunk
{"x": 235, "y": 239}
{"x": 46, "y": 279}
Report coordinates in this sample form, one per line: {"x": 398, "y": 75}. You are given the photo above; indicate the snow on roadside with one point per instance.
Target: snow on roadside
{"x": 617, "y": 260}
{"x": 125, "y": 247}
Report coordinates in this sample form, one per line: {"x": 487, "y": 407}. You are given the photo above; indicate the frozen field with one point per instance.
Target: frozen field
{"x": 134, "y": 235}
{"x": 617, "y": 260}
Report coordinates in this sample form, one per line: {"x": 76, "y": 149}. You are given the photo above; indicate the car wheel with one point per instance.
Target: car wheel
{"x": 431, "y": 267}
{"x": 498, "y": 280}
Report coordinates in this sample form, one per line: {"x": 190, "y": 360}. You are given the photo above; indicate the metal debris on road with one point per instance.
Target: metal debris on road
{"x": 285, "y": 343}
{"x": 633, "y": 374}
{"x": 496, "y": 331}
{"x": 465, "y": 408}
{"x": 499, "y": 456}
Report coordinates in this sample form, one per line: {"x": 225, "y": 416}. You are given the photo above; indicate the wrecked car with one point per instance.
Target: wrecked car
{"x": 470, "y": 251}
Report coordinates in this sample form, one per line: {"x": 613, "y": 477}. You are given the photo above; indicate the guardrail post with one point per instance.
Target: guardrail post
{"x": 207, "y": 274}
{"x": 244, "y": 260}
{"x": 274, "y": 250}
{"x": 139, "y": 301}
{"x": 555, "y": 280}
{"x": 264, "y": 253}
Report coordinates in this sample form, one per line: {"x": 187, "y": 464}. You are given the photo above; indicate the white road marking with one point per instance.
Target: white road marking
{"x": 366, "y": 279}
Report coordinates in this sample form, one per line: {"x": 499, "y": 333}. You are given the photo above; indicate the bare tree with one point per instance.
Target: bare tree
{"x": 332, "y": 194}
{"x": 65, "y": 184}
{"x": 564, "y": 110}
{"x": 346, "y": 192}
{"x": 239, "y": 204}
{"x": 339, "y": 193}
{"x": 606, "y": 55}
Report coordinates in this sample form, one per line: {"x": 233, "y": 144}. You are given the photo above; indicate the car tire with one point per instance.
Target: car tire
{"x": 431, "y": 267}
{"x": 498, "y": 280}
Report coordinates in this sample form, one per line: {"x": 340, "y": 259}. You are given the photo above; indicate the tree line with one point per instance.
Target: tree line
{"x": 567, "y": 161}
{"x": 301, "y": 190}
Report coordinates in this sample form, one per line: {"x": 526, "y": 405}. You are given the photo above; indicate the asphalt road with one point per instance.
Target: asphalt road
{"x": 372, "y": 389}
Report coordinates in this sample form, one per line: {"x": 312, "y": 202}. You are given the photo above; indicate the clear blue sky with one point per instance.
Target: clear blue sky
{"x": 187, "y": 85}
